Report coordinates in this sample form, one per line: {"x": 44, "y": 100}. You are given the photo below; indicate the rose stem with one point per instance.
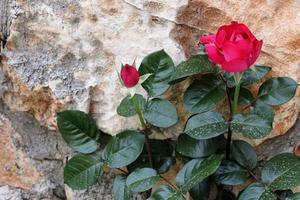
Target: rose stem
{"x": 144, "y": 126}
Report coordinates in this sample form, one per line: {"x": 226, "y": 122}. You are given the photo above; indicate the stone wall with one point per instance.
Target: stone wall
{"x": 58, "y": 54}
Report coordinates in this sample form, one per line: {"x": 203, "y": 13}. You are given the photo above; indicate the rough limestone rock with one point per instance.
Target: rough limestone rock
{"x": 59, "y": 54}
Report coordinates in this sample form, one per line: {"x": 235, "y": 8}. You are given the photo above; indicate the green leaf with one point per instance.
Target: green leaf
{"x": 123, "y": 148}
{"x": 161, "y": 66}
{"x": 196, "y": 171}
{"x": 245, "y": 97}
{"x": 203, "y": 95}
{"x": 256, "y": 191}
{"x": 251, "y": 125}
{"x": 206, "y": 125}
{"x": 295, "y": 196}
{"x": 82, "y": 171}
{"x": 165, "y": 192}
{"x": 162, "y": 153}
{"x": 161, "y": 113}
{"x": 283, "y": 194}
{"x": 127, "y": 108}
{"x": 263, "y": 110}
{"x": 250, "y": 75}
{"x": 282, "y": 172}
{"x": 244, "y": 154}
{"x": 190, "y": 147}
{"x": 230, "y": 173}
{"x": 144, "y": 78}
{"x": 142, "y": 179}
{"x": 277, "y": 91}
{"x": 198, "y": 64}
{"x": 202, "y": 190}
{"x": 121, "y": 191}
{"x": 79, "y": 130}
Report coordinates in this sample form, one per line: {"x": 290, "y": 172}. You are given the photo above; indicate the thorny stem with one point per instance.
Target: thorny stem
{"x": 145, "y": 129}
{"x": 139, "y": 111}
{"x": 229, "y": 131}
{"x": 123, "y": 171}
{"x": 236, "y": 97}
{"x": 146, "y": 133}
{"x": 171, "y": 184}
{"x": 254, "y": 176}
{"x": 233, "y": 111}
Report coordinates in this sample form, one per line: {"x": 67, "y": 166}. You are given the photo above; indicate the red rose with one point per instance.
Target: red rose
{"x": 234, "y": 47}
{"x": 129, "y": 75}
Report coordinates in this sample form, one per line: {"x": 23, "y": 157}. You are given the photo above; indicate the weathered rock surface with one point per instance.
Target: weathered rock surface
{"x": 58, "y": 54}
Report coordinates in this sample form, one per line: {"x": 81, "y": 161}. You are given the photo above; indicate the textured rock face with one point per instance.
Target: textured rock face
{"x": 58, "y": 54}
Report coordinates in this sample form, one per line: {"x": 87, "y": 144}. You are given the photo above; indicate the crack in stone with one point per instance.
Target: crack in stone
{"x": 160, "y": 17}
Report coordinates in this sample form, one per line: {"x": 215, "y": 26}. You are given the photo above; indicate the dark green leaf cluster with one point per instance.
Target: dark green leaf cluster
{"x": 212, "y": 162}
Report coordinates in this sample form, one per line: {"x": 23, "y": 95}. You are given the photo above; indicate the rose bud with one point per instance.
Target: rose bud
{"x": 129, "y": 75}
{"x": 297, "y": 149}
{"x": 234, "y": 47}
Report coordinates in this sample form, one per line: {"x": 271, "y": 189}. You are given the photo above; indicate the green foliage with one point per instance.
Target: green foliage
{"x": 161, "y": 66}
{"x": 282, "y": 172}
{"x": 165, "y": 192}
{"x": 141, "y": 179}
{"x": 161, "y": 113}
{"x": 190, "y": 147}
{"x": 295, "y": 196}
{"x": 123, "y": 149}
{"x": 127, "y": 107}
{"x": 246, "y": 98}
{"x": 120, "y": 188}
{"x": 202, "y": 190}
{"x": 244, "y": 154}
{"x": 82, "y": 171}
{"x": 162, "y": 153}
{"x": 203, "y": 95}
{"x": 251, "y": 75}
{"x": 284, "y": 194}
{"x": 206, "y": 125}
{"x": 277, "y": 91}
{"x": 263, "y": 110}
{"x": 79, "y": 130}
{"x": 201, "y": 145}
{"x": 251, "y": 125}
{"x": 195, "y": 171}
{"x": 198, "y": 64}
{"x": 257, "y": 191}
{"x": 230, "y": 173}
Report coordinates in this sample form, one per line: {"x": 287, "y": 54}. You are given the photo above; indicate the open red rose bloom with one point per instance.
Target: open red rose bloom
{"x": 129, "y": 75}
{"x": 234, "y": 47}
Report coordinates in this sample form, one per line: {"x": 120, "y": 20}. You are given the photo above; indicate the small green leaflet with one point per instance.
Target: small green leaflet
{"x": 142, "y": 180}
{"x": 206, "y": 125}
{"x": 282, "y": 172}
{"x": 277, "y": 91}
{"x": 120, "y": 189}
{"x": 82, "y": 171}
{"x": 160, "y": 65}
{"x": 79, "y": 130}
{"x": 195, "y": 171}
{"x": 123, "y": 148}
{"x": 257, "y": 191}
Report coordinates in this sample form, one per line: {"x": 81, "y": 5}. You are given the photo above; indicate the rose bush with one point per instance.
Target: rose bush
{"x": 212, "y": 163}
